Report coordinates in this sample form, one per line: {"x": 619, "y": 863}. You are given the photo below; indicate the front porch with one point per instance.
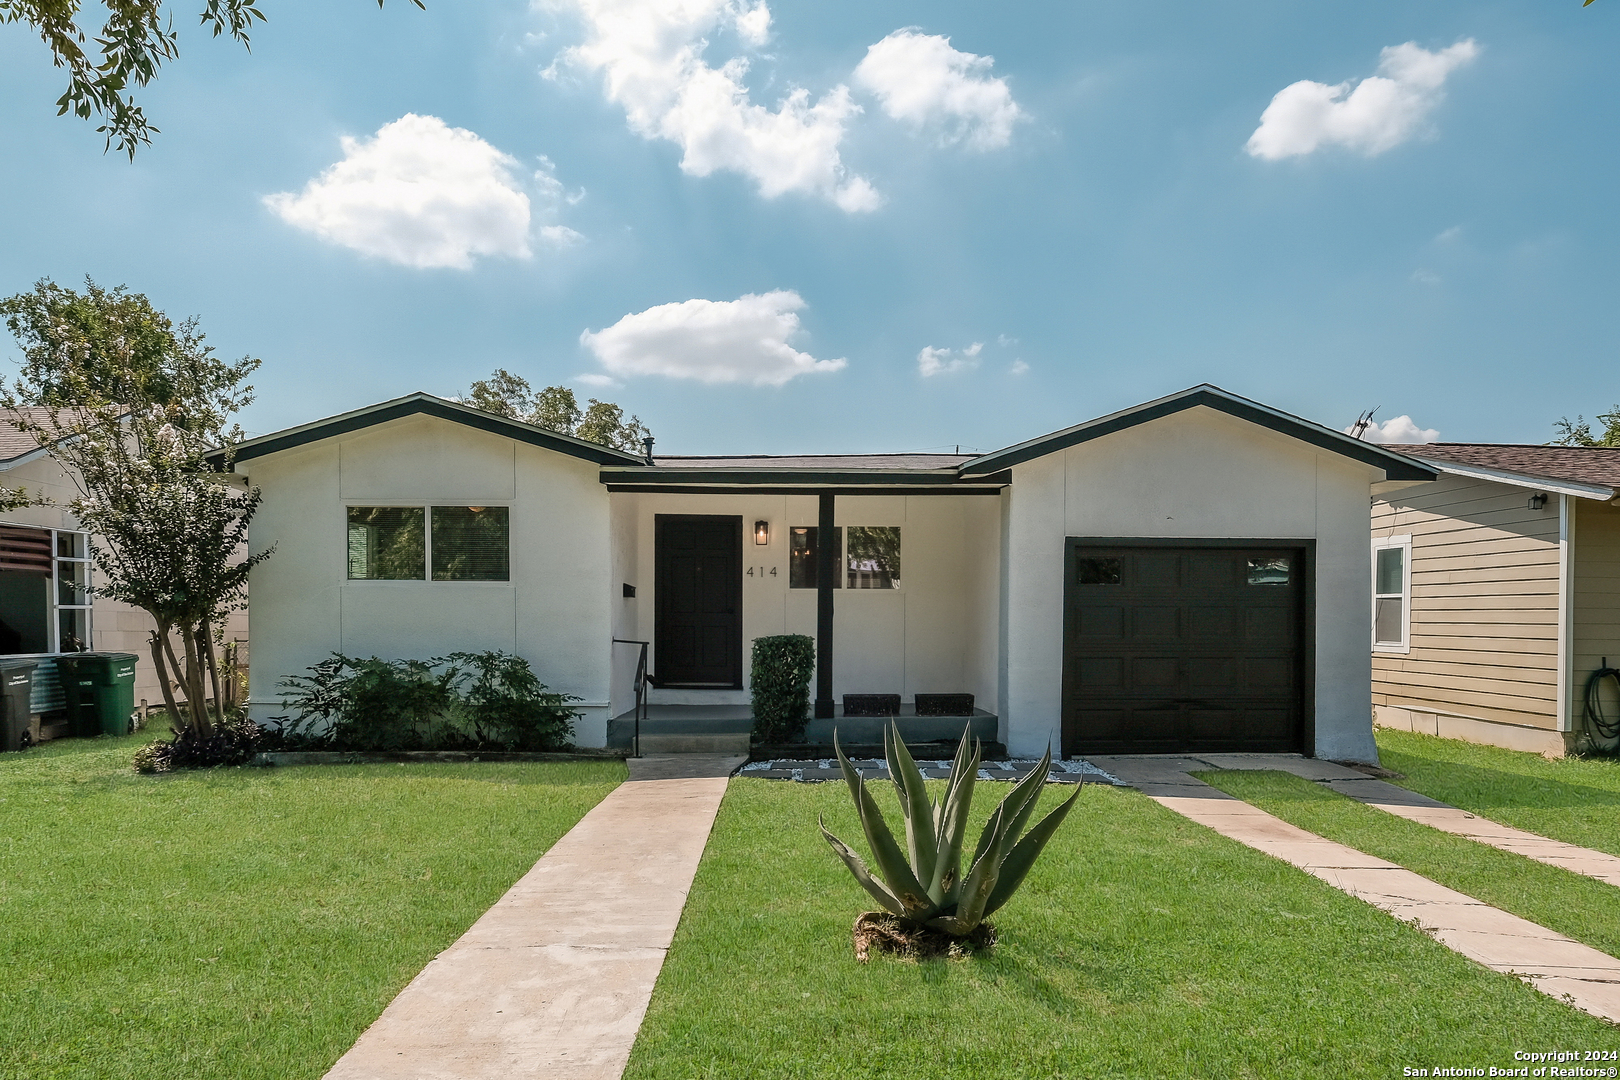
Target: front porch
{"x": 726, "y": 729}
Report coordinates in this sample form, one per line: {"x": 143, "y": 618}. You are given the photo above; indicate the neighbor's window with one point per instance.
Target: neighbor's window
{"x": 802, "y": 551}
{"x": 72, "y": 592}
{"x": 872, "y": 557}
{"x": 1392, "y": 593}
{"x": 387, "y": 543}
{"x": 471, "y": 543}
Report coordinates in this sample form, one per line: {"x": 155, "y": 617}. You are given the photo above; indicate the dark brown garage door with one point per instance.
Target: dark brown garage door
{"x": 1171, "y": 650}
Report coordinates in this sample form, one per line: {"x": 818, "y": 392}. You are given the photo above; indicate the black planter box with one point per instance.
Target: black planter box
{"x": 943, "y": 705}
{"x": 871, "y": 704}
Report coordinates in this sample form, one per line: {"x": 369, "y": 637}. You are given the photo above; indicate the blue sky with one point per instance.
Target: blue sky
{"x": 975, "y": 224}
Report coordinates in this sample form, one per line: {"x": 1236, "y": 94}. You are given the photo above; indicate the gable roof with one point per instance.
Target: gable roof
{"x": 1396, "y": 466}
{"x": 1588, "y": 471}
{"x": 422, "y": 404}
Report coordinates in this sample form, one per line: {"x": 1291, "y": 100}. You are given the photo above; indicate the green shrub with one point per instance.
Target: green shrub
{"x": 466, "y": 701}
{"x": 782, "y": 666}
{"x": 505, "y": 704}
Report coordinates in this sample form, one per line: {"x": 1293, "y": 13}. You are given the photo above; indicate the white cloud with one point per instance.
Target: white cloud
{"x": 650, "y": 56}
{"x": 1018, "y": 367}
{"x": 591, "y": 378}
{"x": 419, "y": 193}
{"x": 1376, "y": 114}
{"x": 713, "y": 341}
{"x": 932, "y": 361}
{"x": 560, "y": 235}
{"x": 922, "y": 81}
{"x": 1399, "y": 429}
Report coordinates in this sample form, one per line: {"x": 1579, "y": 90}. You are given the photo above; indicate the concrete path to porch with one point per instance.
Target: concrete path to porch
{"x": 1550, "y": 962}
{"x": 553, "y": 981}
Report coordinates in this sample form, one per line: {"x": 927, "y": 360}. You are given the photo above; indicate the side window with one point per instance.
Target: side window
{"x": 872, "y": 557}
{"x": 471, "y": 543}
{"x": 387, "y": 543}
{"x": 1392, "y": 594}
{"x": 803, "y": 545}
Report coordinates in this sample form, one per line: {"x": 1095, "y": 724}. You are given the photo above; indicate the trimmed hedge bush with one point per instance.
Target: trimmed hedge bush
{"x": 781, "y": 685}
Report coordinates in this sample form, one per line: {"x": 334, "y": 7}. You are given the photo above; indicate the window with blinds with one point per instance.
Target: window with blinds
{"x": 471, "y": 543}
{"x": 401, "y": 543}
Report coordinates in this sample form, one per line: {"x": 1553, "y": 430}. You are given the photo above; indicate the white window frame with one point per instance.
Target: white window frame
{"x": 54, "y": 607}
{"x": 427, "y": 547}
{"x": 1403, "y": 542}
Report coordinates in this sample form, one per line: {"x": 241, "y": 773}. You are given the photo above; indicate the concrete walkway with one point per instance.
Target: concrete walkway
{"x": 1552, "y": 963}
{"x": 553, "y": 981}
{"x": 1426, "y": 811}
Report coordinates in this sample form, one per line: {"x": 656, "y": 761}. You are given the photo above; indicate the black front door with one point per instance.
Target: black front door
{"x": 698, "y": 584}
{"x": 1174, "y": 650}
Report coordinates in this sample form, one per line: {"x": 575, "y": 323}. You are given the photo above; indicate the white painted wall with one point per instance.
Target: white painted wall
{"x": 1195, "y": 474}
{"x": 551, "y": 612}
{"x": 936, "y": 633}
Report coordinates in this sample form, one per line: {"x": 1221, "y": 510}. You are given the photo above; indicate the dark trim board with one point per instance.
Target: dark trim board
{"x": 808, "y": 489}
{"x": 1395, "y": 466}
{"x": 713, "y": 652}
{"x": 427, "y": 405}
{"x": 1302, "y": 737}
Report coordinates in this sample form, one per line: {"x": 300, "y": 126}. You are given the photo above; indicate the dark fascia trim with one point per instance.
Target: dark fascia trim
{"x": 809, "y": 479}
{"x": 1395, "y": 466}
{"x": 427, "y": 405}
{"x": 777, "y": 489}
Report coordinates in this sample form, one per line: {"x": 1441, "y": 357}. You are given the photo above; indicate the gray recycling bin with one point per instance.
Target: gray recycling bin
{"x": 16, "y": 686}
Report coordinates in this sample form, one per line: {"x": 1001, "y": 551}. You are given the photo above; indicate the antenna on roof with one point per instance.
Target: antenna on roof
{"x": 1363, "y": 422}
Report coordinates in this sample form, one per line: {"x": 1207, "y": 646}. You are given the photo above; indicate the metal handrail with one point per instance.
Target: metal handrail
{"x": 641, "y": 687}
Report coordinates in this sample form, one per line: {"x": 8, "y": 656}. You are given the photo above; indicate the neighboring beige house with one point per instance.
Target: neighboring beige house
{"x": 1497, "y": 593}
{"x": 1185, "y": 575}
{"x": 44, "y": 567}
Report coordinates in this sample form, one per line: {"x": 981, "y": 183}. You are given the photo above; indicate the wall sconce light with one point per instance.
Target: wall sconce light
{"x": 1538, "y": 501}
{"x": 762, "y": 533}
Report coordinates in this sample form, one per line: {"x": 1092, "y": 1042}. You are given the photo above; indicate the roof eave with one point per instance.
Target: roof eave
{"x": 421, "y": 404}
{"x": 1580, "y": 490}
{"x": 1395, "y": 466}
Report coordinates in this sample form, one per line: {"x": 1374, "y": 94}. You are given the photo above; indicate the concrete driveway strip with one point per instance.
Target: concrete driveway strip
{"x": 1426, "y": 811}
{"x": 553, "y": 981}
{"x": 1550, "y": 962}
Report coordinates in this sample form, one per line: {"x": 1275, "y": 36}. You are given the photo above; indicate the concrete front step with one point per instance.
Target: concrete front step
{"x": 695, "y": 743}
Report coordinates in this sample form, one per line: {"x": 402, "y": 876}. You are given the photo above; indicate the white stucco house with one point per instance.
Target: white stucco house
{"x": 1190, "y": 575}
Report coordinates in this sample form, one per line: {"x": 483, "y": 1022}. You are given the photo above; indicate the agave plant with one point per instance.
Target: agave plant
{"x": 923, "y": 885}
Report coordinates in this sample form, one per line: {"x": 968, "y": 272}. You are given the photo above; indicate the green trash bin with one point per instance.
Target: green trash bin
{"x": 99, "y": 691}
{"x": 16, "y": 687}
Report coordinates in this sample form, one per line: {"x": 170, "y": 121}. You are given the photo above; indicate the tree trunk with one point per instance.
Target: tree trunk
{"x": 213, "y": 671}
{"x": 197, "y": 696}
{"x": 159, "y": 639}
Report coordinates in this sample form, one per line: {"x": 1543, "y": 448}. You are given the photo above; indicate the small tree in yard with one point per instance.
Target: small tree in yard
{"x": 132, "y": 405}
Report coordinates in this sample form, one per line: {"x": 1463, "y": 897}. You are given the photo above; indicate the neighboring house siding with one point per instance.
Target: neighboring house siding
{"x": 1596, "y": 595}
{"x": 1484, "y": 614}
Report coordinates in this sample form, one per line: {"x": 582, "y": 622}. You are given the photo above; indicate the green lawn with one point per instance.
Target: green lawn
{"x": 243, "y": 923}
{"x": 1141, "y": 945}
{"x": 1585, "y": 909}
{"x": 1576, "y": 800}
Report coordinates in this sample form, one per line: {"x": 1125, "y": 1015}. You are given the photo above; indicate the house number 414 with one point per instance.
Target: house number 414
{"x": 761, "y": 571}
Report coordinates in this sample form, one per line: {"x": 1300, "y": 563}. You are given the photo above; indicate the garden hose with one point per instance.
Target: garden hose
{"x": 1604, "y": 732}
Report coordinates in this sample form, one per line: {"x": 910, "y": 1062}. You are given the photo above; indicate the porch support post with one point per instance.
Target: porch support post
{"x": 826, "y": 576}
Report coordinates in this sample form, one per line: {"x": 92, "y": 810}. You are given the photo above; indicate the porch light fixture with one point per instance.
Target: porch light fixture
{"x": 1538, "y": 500}
{"x": 762, "y": 533}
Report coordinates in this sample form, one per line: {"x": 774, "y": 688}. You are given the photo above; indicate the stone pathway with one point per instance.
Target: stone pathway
{"x": 825, "y": 769}
{"x": 553, "y": 981}
{"x": 1551, "y": 963}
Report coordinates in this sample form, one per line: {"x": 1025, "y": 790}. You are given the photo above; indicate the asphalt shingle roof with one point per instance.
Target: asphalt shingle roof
{"x": 1581, "y": 464}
